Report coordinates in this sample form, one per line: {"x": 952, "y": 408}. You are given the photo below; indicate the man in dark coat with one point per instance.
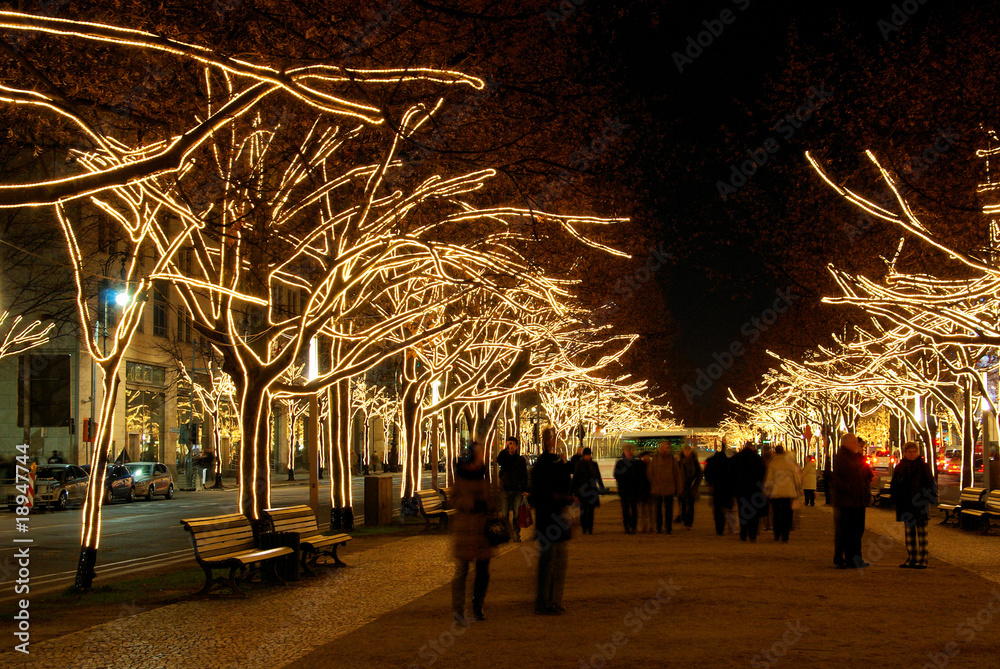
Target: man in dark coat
{"x": 718, "y": 476}
{"x": 690, "y": 481}
{"x": 851, "y": 495}
{"x": 550, "y": 495}
{"x": 514, "y": 479}
{"x": 587, "y": 486}
{"x": 748, "y": 486}
{"x": 630, "y": 474}
{"x": 913, "y": 490}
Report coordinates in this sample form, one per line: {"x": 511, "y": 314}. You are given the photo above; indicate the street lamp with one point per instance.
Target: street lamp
{"x": 435, "y": 398}
{"x": 312, "y": 443}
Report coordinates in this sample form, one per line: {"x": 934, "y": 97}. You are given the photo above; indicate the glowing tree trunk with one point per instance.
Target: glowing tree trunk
{"x": 341, "y": 501}
{"x": 412, "y": 413}
{"x": 255, "y": 481}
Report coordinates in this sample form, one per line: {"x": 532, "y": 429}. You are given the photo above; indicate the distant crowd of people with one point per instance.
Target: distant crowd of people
{"x": 746, "y": 488}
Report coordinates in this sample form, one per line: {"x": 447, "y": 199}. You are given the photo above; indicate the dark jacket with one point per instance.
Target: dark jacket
{"x": 851, "y": 480}
{"x": 913, "y": 490}
{"x": 513, "y": 471}
{"x": 630, "y": 475}
{"x": 719, "y": 476}
{"x": 690, "y": 474}
{"x": 550, "y": 495}
{"x": 587, "y": 482}
{"x": 471, "y": 498}
{"x": 748, "y": 472}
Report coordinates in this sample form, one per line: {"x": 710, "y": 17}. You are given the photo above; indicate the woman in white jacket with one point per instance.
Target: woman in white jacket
{"x": 782, "y": 485}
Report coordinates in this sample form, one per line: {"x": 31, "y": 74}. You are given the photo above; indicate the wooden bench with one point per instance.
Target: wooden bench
{"x": 883, "y": 496}
{"x": 981, "y": 518}
{"x": 312, "y": 542}
{"x": 971, "y": 498}
{"x": 431, "y": 505}
{"x": 227, "y": 541}
{"x": 446, "y": 493}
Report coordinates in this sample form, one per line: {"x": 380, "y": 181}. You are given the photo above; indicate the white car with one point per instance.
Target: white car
{"x": 56, "y": 486}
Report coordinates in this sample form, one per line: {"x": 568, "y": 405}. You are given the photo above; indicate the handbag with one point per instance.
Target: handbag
{"x": 496, "y": 532}
{"x": 524, "y": 515}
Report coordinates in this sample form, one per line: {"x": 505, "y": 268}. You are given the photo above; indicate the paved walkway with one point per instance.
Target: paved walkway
{"x": 687, "y": 599}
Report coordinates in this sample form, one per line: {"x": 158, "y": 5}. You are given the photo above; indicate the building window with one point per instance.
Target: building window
{"x": 160, "y": 306}
{"x": 138, "y": 372}
{"x": 183, "y": 325}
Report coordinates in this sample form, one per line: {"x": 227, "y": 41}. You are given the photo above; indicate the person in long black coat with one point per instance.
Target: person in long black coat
{"x": 550, "y": 495}
{"x": 748, "y": 473}
{"x": 850, "y": 487}
{"x": 913, "y": 490}
{"x": 587, "y": 486}
{"x": 719, "y": 476}
{"x": 630, "y": 474}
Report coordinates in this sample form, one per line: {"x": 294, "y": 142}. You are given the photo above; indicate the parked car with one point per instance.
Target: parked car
{"x": 57, "y": 486}
{"x": 118, "y": 483}
{"x": 151, "y": 478}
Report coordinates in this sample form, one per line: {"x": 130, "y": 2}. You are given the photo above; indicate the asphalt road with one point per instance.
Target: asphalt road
{"x": 135, "y": 537}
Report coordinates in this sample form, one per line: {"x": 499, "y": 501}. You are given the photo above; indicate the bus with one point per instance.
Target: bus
{"x": 704, "y": 440}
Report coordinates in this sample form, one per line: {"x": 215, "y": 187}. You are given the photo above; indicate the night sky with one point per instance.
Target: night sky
{"x": 777, "y": 79}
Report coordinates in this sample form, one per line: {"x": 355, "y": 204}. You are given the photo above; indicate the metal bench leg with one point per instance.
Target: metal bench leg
{"x": 304, "y": 562}
{"x": 274, "y": 571}
{"x": 232, "y": 582}
{"x": 209, "y": 580}
{"x": 336, "y": 560}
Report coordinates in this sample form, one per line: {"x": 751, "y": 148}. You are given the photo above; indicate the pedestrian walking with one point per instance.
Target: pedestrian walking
{"x": 851, "y": 495}
{"x": 827, "y": 479}
{"x": 748, "y": 486}
{"x": 645, "y": 502}
{"x": 691, "y": 475}
{"x": 765, "y": 456}
{"x": 550, "y": 495}
{"x": 664, "y": 484}
{"x": 514, "y": 480}
{"x": 587, "y": 485}
{"x": 472, "y": 501}
{"x": 628, "y": 476}
{"x": 809, "y": 481}
{"x": 913, "y": 490}
{"x": 719, "y": 476}
{"x": 783, "y": 486}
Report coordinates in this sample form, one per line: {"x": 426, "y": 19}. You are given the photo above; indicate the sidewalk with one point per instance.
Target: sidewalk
{"x": 687, "y": 599}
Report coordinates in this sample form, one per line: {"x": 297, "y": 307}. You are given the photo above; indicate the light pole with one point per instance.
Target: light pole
{"x": 435, "y": 397}
{"x": 312, "y": 443}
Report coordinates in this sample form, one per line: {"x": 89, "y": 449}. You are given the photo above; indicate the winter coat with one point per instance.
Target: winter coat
{"x": 471, "y": 498}
{"x": 513, "y": 471}
{"x": 630, "y": 476}
{"x": 550, "y": 495}
{"x": 719, "y": 475}
{"x": 913, "y": 490}
{"x": 783, "y": 479}
{"x": 748, "y": 473}
{"x": 851, "y": 478}
{"x": 664, "y": 475}
{"x": 809, "y": 475}
{"x": 587, "y": 482}
{"x": 690, "y": 474}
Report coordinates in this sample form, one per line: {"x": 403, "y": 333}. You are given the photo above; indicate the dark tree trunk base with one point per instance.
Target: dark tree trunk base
{"x": 85, "y": 568}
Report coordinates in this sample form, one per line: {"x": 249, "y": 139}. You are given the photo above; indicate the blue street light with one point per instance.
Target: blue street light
{"x": 121, "y": 298}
